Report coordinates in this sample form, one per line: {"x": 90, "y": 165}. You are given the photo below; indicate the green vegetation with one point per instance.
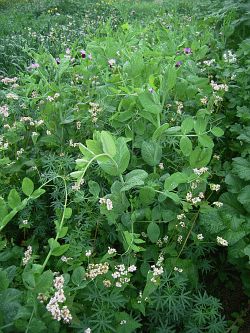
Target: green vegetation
{"x": 125, "y": 166}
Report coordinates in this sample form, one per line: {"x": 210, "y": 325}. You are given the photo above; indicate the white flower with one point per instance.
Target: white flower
{"x": 111, "y": 250}
{"x": 218, "y": 204}
{"x": 88, "y": 253}
{"x": 161, "y": 166}
{"x": 109, "y": 204}
{"x": 222, "y": 241}
{"x": 200, "y": 237}
{"x": 132, "y": 268}
{"x": 111, "y": 62}
{"x": 88, "y": 330}
{"x": 215, "y": 187}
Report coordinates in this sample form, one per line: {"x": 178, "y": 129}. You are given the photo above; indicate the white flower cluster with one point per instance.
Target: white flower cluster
{"x": 204, "y": 100}
{"x": 209, "y": 62}
{"x": 218, "y": 87}
{"x": 200, "y": 171}
{"x": 12, "y": 96}
{"x": 121, "y": 274}
{"x": 230, "y": 57}
{"x": 176, "y": 269}
{"x": 222, "y": 241}
{"x": 179, "y": 107}
{"x": 94, "y": 270}
{"x": 52, "y": 98}
{"x": 76, "y": 186}
{"x": 215, "y": 187}
{"x": 4, "y": 110}
{"x": 31, "y": 121}
{"x": 218, "y": 204}
{"x": 162, "y": 241}
{"x": 217, "y": 99}
{"x": 107, "y": 202}
{"x": 194, "y": 200}
{"x": 200, "y": 237}
{"x": 59, "y": 313}
{"x": 111, "y": 250}
{"x": 111, "y": 62}
{"x": 27, "y": 255}
{"x": 7, "y": 80}
{"x": 94, "y": 110}
{"x": 157, "y": 269}
{"x": 161, "y": 166}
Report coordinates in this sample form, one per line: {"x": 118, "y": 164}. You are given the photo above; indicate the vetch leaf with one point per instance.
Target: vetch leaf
{"x": 14, "y": 199}
{"x": 217, "y": 131}
{"x": 108, "y": 143}
{"x": 151, "y": 152}
{"x": 153, "y": 232}
{"x": 185, "y": 145}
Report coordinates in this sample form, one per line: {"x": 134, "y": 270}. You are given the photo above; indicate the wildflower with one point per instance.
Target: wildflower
{"x": 230, "y": 57}
{"x": 222, "y": 241}
{"x": 50, "y": 98}
{"x": 200, "y": 171}
{"x": 218, "y": 204}
{"x": 83, "y": 54}
{"x": 161, "y": 166}
{"x": 94, "y": 270}
{"x": 179, "y": 239}
{"x": 181, "y": 216}
{"x": 151, "y": 90}
{"x": 67, "y": 51}
{"x": 58, "y": 282}
{"x": 34, "y": 66}
{"x": 88, "y": 253}
{"x": 111, "y": 251}
{"x": 107, "y": 283}
{"x": 200, "y": 237}
{"x": 88, "y": 330}
{"x": 58, "y": 61}
{"x": 78, "y": 125}
{"x": 111, "y": 62}
{"x": 123, "y": 322}
{"x": 176, "y": 269}
{"x": 12, "y": 96}
{"x": 209, "y": 62}
{"x": 215, "y": 187}
{"x": 27, "y": 255}
{"x": 216, "y": 157}
{"x": 109, "y": 204}
{"x": 42, "y": 298}
{"x": 189, "y": 196}
{"x": 178, "y": 64}
{"x": 204, "y": 100}
{"x": 25, "y": 222}
{"x": 179, "y": 107}
{"x": 182, "y": 224}
{"x": 65, "y": 314}
{"x": 132, "y": 268}
{"x": 56, "y": 95}
{"x": 90, "y": 56}
{"x": 187, "y": 50}
{"x": 4, "y": 110}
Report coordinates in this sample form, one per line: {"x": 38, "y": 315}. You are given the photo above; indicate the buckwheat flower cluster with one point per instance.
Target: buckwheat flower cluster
{"x": 94, "y": 110}
{"x": 88, "y": 330}
{"x": 217, "y": 87}
{"x": 107, "y": 283}
{"x": 161, "y": 166}
{"x": 204, "y": 100}
{"x": 200, "y": 171}
{"x": 94, "y": 270}
{"x": 88, "y": 253}
{"x": 52, "y": 98}
{"x": 8, "y": 80}
{"x": 215, "y": 187}
{"x": 200, "y": 237}
{"x": 3, "y": 145}
{"x": 209, "y": 62}
{"x": 4, "y": 110}
{"x": 27, "y": 255}
{"x": 59, "y": 313}
{"x": 121, "y": 274}
{"x": 111, "y": 251}
{"x": 179, "y": 107}
{"x": 107, "y": 202}
{"x": 194, "y": 200}
{"x": 180, "y": 239}
{"x": 218, "y": 204}
{"x": 176, "y": 269}
{"x": 42, "y": 298}
{"x": 181, "y": 216}
{"x": 230, "y": 57}
{"x": 221, "y": 241}
{"x": 162, "y": 241}
{"x": 12, "y": 96}
{"x": 77, "y": 186}
{"x": 111, "y": 62}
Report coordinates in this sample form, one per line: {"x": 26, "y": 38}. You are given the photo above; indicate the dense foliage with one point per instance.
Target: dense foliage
{"x": 125, "y": 165}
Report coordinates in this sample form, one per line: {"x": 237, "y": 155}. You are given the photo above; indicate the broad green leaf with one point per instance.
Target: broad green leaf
{"x": 3, "y": 209}
{"x": 67, "y": 213}
{"x": 27, "y": 186}
{"x": 217, "y": 131}
{"x": 63, "y": 232}
{"x": 159, "y": 131}
{"x": 78, "y": 275}
{"x": 94, "y": 188}
{"x": 187, "y": 125}
{"x": 153, "y": 232}
{"x": 200, "y": 157}
{"x": 174, "y": 180}
{"x": 171, "y": 77}
{"x": 172, "y": 196}
{"x": 108, "y": 143}
{"x": 185, "y": 145}
{"x": 200, "y": 125}
{"x": 147, "y": 195}
{"x": 205, "y": 141}
{"x": 58, "y": 251}
{"x": 4, "y": 281}
{"x": 151, "y": 152}
{"x": 37, "y": 193}
{"x": 44, "y": 282}
{"x": 148, "y": 103}
{"x": 134, "y": 178}
{"x": 244, "y": 196}
{"x": 241, "y": 166}
{"x": 14, "y": 199}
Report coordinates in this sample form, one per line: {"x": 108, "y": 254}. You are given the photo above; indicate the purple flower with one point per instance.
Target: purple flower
{"x": 58, "y": 61}
{"x": 34, "y": 66}
{"x": 178, "y": 64}
{"x": 187, "y": 50}
{"x": 83, "y": 54}
{"x": 151, "y": 90}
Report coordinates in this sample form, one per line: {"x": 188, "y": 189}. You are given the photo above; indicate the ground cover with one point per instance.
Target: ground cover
{"x": 124, "y": 153}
